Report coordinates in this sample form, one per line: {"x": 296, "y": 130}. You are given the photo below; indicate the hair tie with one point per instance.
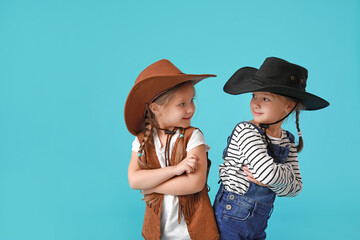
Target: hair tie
{"x": 299, "y": 134}
{"x": 181, "y": 135}
{"x": 139, "y": 154}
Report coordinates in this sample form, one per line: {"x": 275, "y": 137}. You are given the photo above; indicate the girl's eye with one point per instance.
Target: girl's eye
{"x": 266, "y": 99}
{"x": 192, "y": 100}
{"x": 181, "y": 104}
{"x": 253, "y": 96}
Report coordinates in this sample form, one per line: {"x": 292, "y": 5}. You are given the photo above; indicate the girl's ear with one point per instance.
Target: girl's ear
{"x": 290, "y": 105}
{"x": 154, "y": 107}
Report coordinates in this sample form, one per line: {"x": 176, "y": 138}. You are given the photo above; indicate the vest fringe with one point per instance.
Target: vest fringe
{"x": 187, "y": 206}
{"x": 153, "y": 200}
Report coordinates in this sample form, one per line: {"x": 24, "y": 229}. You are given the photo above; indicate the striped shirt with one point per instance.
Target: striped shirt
{"x": 248, "y": 147}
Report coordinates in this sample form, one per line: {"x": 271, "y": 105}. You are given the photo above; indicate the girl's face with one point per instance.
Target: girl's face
{"x": 178, "y": 111}
{"x": 269, "y": 107}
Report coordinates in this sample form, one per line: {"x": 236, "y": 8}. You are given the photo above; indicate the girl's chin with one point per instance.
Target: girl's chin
{"x": 256, "y": 119}
{"x": 186, "y": 124}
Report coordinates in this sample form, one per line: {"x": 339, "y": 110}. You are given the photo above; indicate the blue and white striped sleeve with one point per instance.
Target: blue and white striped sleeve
{"x": 281, "y": 177}
{"x": 294, "y": 188}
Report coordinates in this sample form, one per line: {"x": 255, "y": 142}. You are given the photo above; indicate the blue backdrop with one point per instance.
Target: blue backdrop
{"x": 66, "y": 67}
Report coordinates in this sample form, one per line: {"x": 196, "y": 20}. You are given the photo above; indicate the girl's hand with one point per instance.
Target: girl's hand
{"x": 251, "y": 178}
{"x": 187, "y": 165}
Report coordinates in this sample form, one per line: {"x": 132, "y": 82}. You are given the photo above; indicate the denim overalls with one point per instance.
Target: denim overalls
{"x": 245, "y": 216}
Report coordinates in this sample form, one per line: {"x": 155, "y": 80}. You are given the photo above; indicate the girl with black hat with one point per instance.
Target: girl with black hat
{"x": 169, "y": 157}
{"x": 260, "y": 160}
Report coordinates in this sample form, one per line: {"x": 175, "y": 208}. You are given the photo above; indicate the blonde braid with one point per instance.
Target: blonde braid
{"x": 147, "y": 136}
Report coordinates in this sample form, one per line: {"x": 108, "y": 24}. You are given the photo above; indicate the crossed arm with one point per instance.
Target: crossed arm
{"x": 283, "y": 179}
{"x": 188, "y": 177}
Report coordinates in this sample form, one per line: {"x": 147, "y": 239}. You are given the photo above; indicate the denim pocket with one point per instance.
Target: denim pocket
{"x": 238, "y": 210}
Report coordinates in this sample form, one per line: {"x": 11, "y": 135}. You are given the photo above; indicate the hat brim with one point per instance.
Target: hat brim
{"x": 146, "y": 91}
{"x": 243, "y": 81}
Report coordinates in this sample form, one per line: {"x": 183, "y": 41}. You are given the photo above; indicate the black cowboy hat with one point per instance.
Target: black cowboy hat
{"x": 277, "y": 76}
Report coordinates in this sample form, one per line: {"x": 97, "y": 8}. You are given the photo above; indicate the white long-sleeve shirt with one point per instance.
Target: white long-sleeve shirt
{"x": 247, "y": 147}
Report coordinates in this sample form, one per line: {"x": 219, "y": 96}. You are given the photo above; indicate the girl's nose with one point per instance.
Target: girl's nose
{"x": 191, "y": 108}
{"x": 255, "y": 103}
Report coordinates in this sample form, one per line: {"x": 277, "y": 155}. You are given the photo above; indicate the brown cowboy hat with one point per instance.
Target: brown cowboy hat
{"x": 152, "y": 81}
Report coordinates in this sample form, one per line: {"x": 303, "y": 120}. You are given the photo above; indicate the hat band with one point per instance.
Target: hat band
{"x": 260, "y": 81}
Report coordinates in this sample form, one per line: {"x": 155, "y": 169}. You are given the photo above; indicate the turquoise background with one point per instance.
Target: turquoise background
{"x": 66, "y": 68}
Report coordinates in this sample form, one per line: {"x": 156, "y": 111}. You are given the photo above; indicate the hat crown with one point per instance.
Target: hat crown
{"x": 152, "y": 81}
{"x": 282, "y": 72}
{"x": 160, "y": 68}
{"x": 276, "y": 76}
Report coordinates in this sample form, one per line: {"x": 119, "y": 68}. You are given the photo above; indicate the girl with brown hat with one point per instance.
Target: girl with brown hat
{"x": 169, "y": 157}
{"x": 260, "y": 160}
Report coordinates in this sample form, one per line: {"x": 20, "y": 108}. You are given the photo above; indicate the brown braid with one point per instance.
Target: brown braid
{"x": 300, "y": 146}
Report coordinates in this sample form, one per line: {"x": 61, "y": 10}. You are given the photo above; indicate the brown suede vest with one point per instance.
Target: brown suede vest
{"x": 196, "y": 208}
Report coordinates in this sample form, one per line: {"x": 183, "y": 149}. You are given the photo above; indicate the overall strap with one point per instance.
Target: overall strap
{"x": 290, "y": 136}
{"x": 256, "y": 127}
{"x": 269, "y": 144}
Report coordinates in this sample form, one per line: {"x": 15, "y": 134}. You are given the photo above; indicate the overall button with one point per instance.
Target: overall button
{"x": 232, "y": 197}
{"x": 228, "y": 207}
